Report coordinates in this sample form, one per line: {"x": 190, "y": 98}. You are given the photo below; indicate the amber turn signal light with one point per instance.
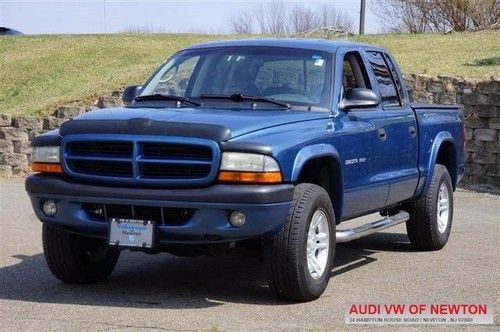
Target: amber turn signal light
{"x": 250, "y": 177}
{"x": 46, "y": 168}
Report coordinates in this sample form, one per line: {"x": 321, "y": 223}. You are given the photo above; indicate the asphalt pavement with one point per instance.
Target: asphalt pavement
{"x": 163, "y": 292}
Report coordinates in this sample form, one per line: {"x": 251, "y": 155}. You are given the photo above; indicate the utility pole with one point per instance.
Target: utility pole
{"x": 362, "y": 12}
{"x": 104, "y": 14}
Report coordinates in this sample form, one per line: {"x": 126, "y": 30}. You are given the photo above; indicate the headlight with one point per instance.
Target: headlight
{"x": 249, "y": 167}
{"x": 248, "y": 162}
{"x": 45, "y": 154}
{"x": 45, "y": 159}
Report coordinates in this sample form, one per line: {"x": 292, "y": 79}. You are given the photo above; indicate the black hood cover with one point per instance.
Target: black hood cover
{"x": 142, "y": 126}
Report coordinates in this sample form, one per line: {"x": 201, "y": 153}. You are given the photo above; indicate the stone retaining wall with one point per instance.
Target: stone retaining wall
{"x": 480, "y": 99}
{"x": 16, "y": 133}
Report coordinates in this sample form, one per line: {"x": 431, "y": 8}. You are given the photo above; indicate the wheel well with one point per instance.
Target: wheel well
{"x": 325, "y": 172}
{"x": 447, "y": 157}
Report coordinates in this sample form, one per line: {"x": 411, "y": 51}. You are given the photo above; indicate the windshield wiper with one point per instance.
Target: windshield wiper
{"x": 158, "y": 96}
{"x": 238, "y": 97}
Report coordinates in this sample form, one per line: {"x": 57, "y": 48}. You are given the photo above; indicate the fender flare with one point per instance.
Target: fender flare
{"x": 442, "y": 137}
{"x": 317, "y": 151}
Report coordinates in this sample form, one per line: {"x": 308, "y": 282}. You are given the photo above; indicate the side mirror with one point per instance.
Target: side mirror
{"x": 359, "y": 98}
{"x": 130, "y": 93}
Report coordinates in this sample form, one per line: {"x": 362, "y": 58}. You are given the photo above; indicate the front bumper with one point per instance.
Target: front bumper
{"x": 265, "y": 207}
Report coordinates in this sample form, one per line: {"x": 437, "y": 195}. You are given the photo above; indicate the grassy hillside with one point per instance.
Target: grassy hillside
{"x": 461, "y": 54}
{"x": 38, "y": 73}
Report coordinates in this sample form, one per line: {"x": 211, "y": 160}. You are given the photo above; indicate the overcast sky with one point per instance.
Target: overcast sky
{"x": 99, "y": 16}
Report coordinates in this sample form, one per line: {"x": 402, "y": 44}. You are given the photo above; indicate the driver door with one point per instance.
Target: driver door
{"x": 361, "y": 145}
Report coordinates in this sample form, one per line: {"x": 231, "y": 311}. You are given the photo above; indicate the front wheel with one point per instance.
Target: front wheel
{"x": 77, "y": 259}
{"x": 431, "y": 215}
{"x": 299, "y": 258}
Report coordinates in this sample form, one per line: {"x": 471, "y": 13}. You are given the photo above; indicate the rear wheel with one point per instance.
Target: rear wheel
{"x": 77, "y": 259}
{"x": 299, "y": 258}
{"x": 431, "y": 215}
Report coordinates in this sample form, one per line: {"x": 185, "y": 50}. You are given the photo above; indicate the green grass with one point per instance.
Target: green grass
{"x": 461, "y": 54}
{"x": 38, "y": 73}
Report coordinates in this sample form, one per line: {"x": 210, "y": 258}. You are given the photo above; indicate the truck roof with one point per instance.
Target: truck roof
{"x": 311, "y": 44}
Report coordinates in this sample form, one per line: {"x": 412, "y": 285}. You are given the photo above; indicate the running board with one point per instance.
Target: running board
{"x": 370, "y": 228}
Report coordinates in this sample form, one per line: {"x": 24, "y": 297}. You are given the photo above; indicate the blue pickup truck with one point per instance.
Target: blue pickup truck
{"x": 260, "y": 144}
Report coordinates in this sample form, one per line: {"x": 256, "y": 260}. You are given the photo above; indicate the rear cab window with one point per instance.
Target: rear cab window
{"x": 387, "y": 87}
{"x": 397, "y": 78}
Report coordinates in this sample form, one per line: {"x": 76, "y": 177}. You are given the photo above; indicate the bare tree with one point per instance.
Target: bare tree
{"x": 272, "y": 18}
{"x": 417, "y": 16}
{"x": 404, "y": 16}
{"x": 302, "y": 19}
{"x": 242, "y": 24}
{"x": 470, "y": 14}
{"x": 277, "y": 18}
{"x": 328, "y": 16}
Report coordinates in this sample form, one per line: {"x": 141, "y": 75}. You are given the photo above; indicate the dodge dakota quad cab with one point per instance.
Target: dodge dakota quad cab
{"x": 263, "y": 144}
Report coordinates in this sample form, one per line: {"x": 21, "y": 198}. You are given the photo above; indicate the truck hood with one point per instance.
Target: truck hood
{"x": 218, "y": 124}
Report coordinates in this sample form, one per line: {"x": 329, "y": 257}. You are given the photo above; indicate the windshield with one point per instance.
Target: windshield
{"x": 295, "y": 76}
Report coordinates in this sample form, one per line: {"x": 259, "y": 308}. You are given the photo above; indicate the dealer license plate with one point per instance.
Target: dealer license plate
{"x": 131, "y": 233}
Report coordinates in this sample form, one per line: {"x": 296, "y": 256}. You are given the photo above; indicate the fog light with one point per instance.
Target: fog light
{"x": 237, "y": 219}
{"x": 49, "y": 207}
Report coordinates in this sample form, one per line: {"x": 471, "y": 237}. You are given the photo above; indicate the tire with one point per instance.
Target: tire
{"x": 76, "y": 259}
{"x": 289, "y": 274}
{"x": 429, "y": 225}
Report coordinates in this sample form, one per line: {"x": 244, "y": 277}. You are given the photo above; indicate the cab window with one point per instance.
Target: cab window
{"x": 354, "y": 73}
{"x": 386, "y": 85}
{"x": 397, "y": 80}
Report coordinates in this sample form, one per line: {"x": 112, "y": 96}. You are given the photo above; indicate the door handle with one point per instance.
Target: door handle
{"x": 412, "y": 131}
{"x": 382, "y": 135}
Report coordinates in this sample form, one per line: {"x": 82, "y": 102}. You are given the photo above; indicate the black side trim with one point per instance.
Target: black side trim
{"x": 246, "y": 147}
{"x": 143, "y": 126}
{"x": 220, "y": 193}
